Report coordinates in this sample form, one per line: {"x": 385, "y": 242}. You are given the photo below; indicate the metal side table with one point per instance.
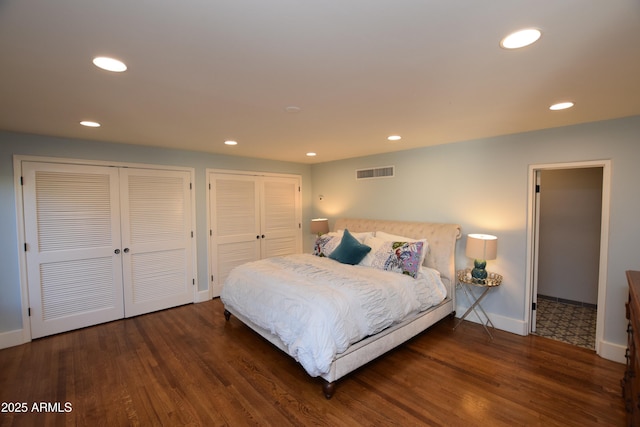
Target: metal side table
{"x": 468, "y": 286}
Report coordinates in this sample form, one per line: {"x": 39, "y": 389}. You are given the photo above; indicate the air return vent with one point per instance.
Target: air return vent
{"x": 383, "y": 172}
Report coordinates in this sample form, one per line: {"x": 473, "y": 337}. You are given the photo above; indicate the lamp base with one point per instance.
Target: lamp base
{"x": 479, "y": 273}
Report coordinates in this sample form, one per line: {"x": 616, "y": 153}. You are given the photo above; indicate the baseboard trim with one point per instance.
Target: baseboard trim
{"x": 202, "y": 296}
{"x": 503, "y": 323}
{"x": 613, "y": 352}
{"x": 11, "y": 338}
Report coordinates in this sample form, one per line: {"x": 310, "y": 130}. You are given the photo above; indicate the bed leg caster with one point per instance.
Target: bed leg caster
{"x": 328, "y": 389}
{"x": 227, "y": 314}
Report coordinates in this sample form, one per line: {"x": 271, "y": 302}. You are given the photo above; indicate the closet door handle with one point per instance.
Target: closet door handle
{"x": 262, "y": 236}
{"x": 117, "y": 251}
{"x": 257, "y": 237}
{"x": 126, "y": 250}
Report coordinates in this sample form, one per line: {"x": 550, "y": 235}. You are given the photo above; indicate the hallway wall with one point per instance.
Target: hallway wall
{"x": 569, "y": 246}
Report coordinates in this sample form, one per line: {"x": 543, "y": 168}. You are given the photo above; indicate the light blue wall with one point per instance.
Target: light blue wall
{"x": 482, "y": 185}
{"x": 23, "y": 144}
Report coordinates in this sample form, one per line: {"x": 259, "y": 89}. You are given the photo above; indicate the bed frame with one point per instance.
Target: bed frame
{"x": 441, "y": 256}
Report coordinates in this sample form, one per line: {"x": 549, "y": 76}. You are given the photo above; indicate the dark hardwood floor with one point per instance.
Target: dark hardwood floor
{"x": 188, "y": 366}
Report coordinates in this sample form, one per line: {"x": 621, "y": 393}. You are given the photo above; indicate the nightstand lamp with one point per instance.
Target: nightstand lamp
{"x": 481, "y": 247}
{"x": 319, "y": 226}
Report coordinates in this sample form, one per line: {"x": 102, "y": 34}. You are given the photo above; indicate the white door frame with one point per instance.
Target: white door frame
{"x": 21, "y": 239}
{"x": 531, "y": 265}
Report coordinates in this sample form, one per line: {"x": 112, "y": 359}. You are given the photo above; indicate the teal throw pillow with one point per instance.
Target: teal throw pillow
{"x": 350, "y": 250}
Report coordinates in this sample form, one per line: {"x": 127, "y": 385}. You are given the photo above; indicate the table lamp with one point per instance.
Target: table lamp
{"x": 320, "y": 226}
{"x": 481, "y": 247}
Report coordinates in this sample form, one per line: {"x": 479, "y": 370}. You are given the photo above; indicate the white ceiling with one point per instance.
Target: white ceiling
{"x": 203, "y": 71}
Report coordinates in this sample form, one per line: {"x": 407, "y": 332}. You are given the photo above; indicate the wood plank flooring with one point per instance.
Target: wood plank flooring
{"x": 188, "y": 366}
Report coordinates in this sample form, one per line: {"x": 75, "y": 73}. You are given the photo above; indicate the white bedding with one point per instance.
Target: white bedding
{"x": 318, "y": 307}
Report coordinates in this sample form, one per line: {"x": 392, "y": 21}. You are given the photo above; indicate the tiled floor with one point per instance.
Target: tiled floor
{"x": 570, "y": 323}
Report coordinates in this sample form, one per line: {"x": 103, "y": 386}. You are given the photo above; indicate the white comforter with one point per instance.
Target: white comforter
{"x": 318, "y": 307}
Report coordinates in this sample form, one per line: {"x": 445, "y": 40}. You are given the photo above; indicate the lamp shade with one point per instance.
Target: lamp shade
{"x": 320, "y": 226}
{"x": 482, "y": 246}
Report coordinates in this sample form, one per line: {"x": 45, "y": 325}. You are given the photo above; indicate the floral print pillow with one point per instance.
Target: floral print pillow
{"x": 325, "y": 244}
{"x": 400, "y": 257}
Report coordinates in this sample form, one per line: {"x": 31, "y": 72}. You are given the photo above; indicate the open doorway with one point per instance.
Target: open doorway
{"x": 568, "y": 230}
{"x": 569, "y": 221}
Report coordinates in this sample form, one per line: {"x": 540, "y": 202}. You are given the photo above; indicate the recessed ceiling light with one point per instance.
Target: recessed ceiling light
{"x": 230, "y": 142}
{"x": 109, "y": 64}
{"x": 394, "y": 138}
{"x": 311, "y": 154}
{"x": 561, "y": 106}
{"x": 292, "y": 109}
{"x": 90, "y": 124}
{"x": 521, "y": 38}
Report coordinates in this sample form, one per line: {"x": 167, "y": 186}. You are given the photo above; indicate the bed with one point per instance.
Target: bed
{"x": 275, "y": 296}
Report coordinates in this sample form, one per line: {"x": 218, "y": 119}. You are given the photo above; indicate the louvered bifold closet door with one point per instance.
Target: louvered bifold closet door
{"x": 235, "y": 224}
{"x": 281, "y": 222}
{"x": 156, "y": 239}
{"x": 72, "y": 231}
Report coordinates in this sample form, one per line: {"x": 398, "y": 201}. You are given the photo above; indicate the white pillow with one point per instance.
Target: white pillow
{"x": 360, "y": 236}
{"x": 395, "y": 238}
{"x": 375, "y": 244}
{"x": 328, "y": 242}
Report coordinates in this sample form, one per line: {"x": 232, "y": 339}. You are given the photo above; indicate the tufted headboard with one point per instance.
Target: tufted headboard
{"x": 440, "y": 237}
